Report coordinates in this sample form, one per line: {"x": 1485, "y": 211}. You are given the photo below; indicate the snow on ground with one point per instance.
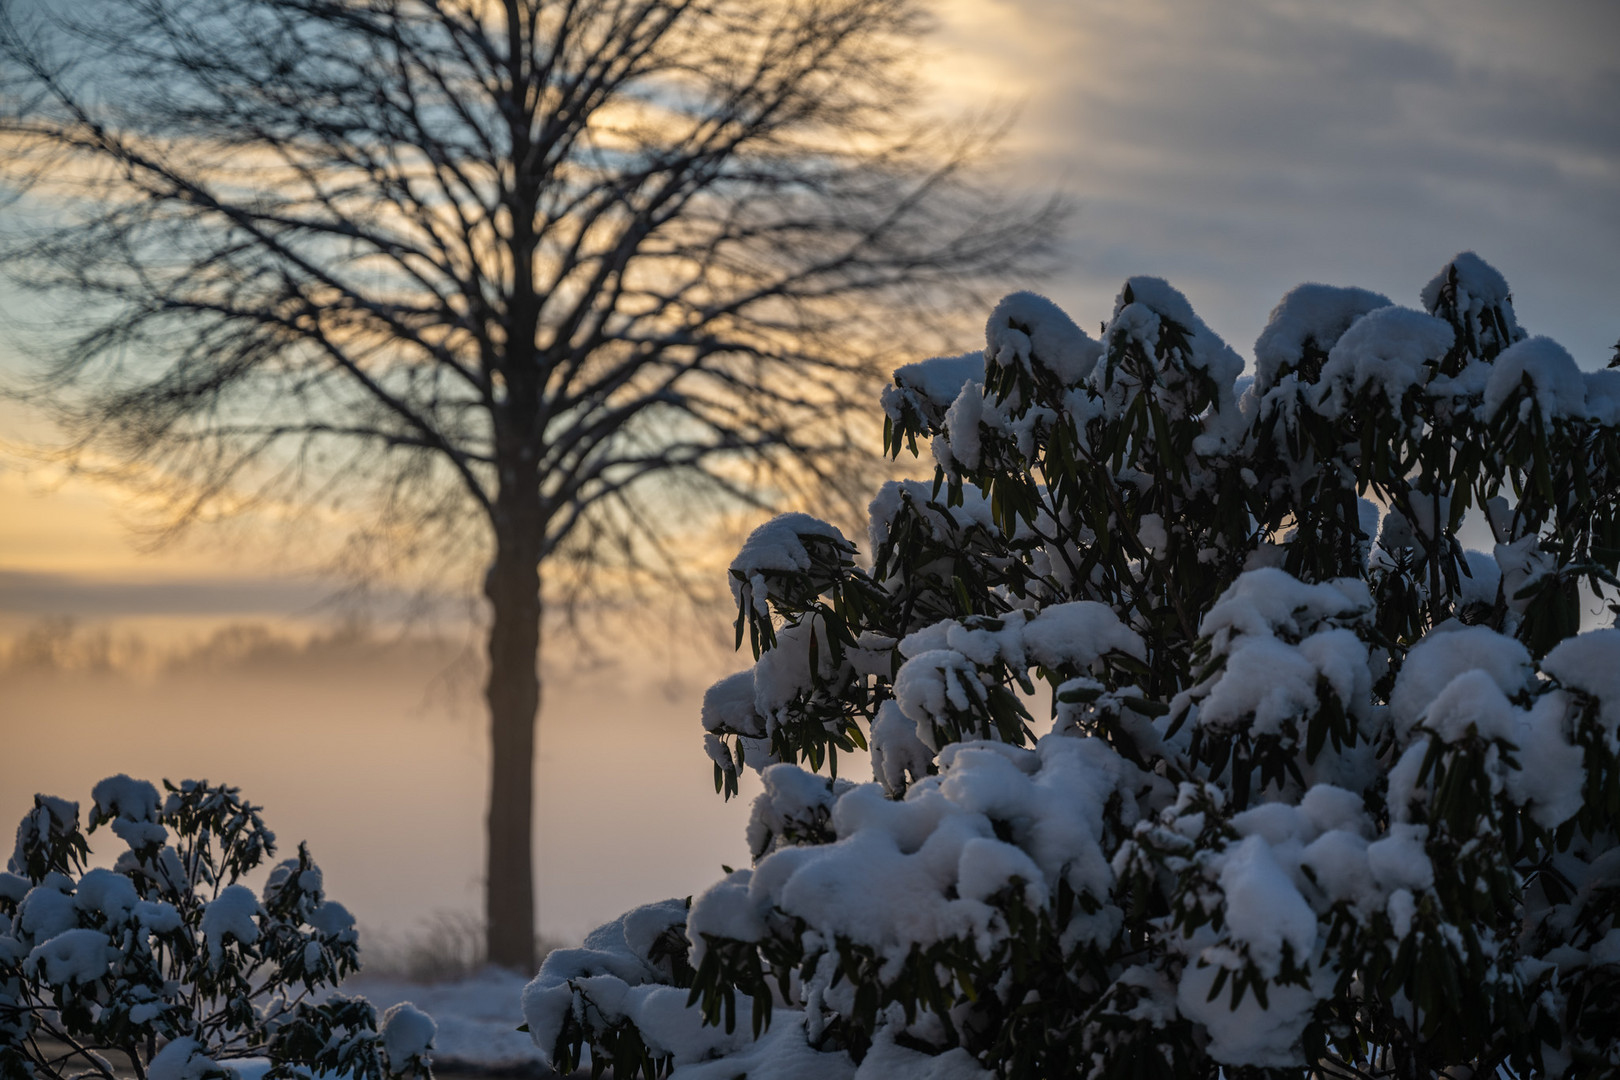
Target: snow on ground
{"x": 477, "y": 1018}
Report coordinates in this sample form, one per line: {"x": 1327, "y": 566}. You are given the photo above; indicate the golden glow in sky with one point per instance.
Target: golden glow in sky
{"x": 1237, "y": 149}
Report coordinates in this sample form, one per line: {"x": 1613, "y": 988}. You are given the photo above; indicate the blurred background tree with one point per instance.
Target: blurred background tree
{"x": 494, "y": 267}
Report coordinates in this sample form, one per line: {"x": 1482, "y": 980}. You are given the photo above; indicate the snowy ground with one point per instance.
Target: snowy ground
{"x": 477, "y": 1018}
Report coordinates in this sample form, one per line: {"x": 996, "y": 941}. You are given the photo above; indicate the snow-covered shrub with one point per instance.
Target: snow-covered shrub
{"x": 1324, "y": 792}
{"x": 169, "y": 966}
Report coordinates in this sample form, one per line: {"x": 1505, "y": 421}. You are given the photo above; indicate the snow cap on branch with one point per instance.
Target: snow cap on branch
{"x": 1027, "y": 330}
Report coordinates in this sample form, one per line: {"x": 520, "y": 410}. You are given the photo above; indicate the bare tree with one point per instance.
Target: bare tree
{"x": 502, "y": 261}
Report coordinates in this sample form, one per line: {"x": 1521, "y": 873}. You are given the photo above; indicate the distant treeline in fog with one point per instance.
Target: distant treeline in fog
{"x": 57, "y": 646}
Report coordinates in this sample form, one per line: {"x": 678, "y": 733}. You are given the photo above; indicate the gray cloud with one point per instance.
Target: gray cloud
{"x": 1241, "y": 148}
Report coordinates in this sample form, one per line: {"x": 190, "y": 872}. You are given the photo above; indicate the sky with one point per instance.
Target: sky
{"x": 1239, "y": 149}
{"x": 1236, "y": 149}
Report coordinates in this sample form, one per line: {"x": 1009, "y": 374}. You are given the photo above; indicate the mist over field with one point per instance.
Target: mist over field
{"x": 372, "y": 748}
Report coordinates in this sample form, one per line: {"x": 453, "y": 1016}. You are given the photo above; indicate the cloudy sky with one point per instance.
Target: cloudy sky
{"x": 1236, "y": 149}
{"x": 1241, "y": 148}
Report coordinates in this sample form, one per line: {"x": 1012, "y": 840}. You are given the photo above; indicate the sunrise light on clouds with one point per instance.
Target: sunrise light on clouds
{"x": 1234, "y": 149}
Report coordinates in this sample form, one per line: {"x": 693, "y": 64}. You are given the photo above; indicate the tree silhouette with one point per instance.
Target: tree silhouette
{"x": 492, "y": 262}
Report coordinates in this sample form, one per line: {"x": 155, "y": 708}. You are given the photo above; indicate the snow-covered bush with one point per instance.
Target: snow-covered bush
{"x": 1324, "y": 791}
{"x": 167, "y": 965}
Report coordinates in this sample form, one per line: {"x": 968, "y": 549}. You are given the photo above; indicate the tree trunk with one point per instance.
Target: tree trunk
{"x": 513, "y": 693}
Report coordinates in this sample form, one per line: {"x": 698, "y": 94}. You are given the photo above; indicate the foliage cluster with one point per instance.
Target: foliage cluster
{"x": 1324, "y": 793}
{"x": 167, "y": 964}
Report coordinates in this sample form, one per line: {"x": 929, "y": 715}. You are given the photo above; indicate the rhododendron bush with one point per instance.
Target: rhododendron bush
{"x": 167, "y": 965}
{"x": 1329, "y": 783}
